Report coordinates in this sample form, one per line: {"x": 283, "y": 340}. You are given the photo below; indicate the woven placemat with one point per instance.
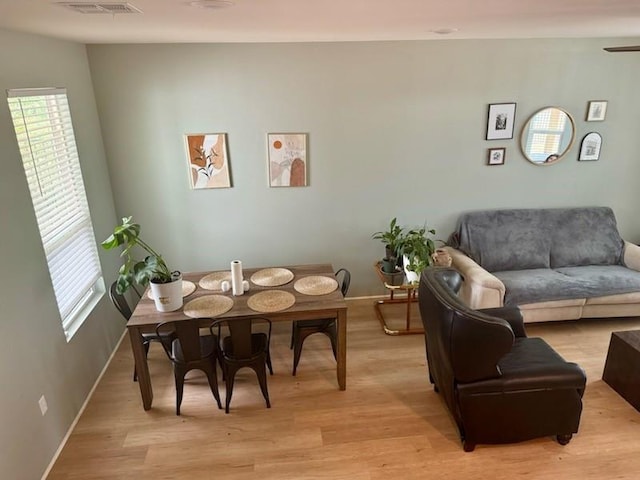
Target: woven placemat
{"x": 208, "y": 306}
{"x": 187, "y": 289}
{"x": 272, "y": 277}
{"x": 213, "y": 280}
{"x": 271, "y": 301}
{"x": 315, "y": 285}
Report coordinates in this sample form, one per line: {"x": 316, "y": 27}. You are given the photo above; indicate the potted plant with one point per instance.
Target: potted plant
{"x": 166, "y": 285}
{"x": 417, "y": 249}
{"x": 392, "y": 240}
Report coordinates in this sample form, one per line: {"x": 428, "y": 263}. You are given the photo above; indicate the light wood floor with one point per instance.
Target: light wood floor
{"x": 388, "y": 424}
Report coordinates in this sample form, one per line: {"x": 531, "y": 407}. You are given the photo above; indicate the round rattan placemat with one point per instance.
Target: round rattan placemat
{"x": 272, "y": 277}
{"x": 271, "y": 301}
{"x": 187, "y": 289}
{"x": 213, "y": 280}
{"x": 315, "y": 285}
{"x": 208, "y": 306}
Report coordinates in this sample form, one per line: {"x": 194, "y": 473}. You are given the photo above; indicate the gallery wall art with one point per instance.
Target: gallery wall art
{"x": 500, "y": 121}
{"x": 208, "y": 160}
{"x": 287, "y": 156}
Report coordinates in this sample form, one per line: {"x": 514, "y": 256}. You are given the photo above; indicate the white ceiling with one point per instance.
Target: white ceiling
{"x": 175, "y": 21}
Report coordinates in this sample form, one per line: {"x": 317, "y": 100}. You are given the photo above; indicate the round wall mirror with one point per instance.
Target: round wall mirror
{"x": 547, "y": 136}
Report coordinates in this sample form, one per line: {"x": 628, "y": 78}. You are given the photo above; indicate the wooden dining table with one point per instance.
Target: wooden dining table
{"x": 145, "y": 317}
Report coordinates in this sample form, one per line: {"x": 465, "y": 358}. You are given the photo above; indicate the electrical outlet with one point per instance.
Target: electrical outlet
{"x": 43, "y": 405}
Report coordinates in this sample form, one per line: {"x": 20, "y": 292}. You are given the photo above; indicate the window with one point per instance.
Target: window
{"x": 42, "y": 122}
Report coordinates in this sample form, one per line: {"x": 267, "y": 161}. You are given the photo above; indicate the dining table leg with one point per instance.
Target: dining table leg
{"x": 342, "y": 349}
{"x": 142, "y": 368}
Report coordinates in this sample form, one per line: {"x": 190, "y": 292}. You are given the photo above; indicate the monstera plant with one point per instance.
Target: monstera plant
{"x": 151, "y": 269}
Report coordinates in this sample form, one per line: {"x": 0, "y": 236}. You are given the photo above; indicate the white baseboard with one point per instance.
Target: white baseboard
{"x": 368, "y": 297}
{"x": 84, "y": 405}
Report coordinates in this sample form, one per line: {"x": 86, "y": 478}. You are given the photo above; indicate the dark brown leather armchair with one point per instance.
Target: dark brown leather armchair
{"x": 499, "y": 385}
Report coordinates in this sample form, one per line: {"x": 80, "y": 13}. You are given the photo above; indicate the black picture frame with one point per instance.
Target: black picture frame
{"x": 590, "y": 147}
{"x": 500, "y": 121}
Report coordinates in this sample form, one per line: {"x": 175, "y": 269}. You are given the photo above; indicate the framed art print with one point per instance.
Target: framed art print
{"x": 208, "y": 160}
{"x": 500, "y": 121}
{"x": 287, "y": 159}
{"x": 590, "y": 147}
{"x": 496, "y": 156}
{"x": 596, "y": 111}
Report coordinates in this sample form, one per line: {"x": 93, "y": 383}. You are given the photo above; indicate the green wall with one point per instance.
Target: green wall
{"x": 395, "y": 129}
{"x": 35, "y": 358}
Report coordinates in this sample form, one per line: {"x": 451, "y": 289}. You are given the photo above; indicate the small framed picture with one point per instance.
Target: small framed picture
{"x": 596, "y": 111}
{"x": 287, "y": 159}
{"x": 590, "y": 147}
{"x": 500, "y": 122}
{"x": 495, "y": 156}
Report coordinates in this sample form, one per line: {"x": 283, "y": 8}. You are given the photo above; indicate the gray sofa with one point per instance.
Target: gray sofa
{"x": 554, "y": 264}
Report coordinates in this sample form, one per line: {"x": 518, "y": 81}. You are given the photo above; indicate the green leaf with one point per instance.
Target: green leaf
{"x": 110, "y": 242}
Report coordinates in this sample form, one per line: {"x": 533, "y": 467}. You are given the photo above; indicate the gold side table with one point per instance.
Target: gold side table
{"x": 409, "y": 292}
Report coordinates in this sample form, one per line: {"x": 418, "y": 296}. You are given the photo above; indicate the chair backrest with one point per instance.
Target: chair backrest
{"x": 120, "y": 302}
{"x": 346, "y": 280}
{"x": 240, "y": 333}
{"x": 465, "y": 342}
{"x": 187, "y": 334}
{"x": 462, "y": 345}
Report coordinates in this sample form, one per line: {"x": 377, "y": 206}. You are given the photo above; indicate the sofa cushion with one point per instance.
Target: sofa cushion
{"x": 604, "y": 280}
{"x": 543, "y": 285}
{"x": 538, "y": 285}
{"x": 505, "y": 239}
{"x": 530, "y": 365}
{"x": 584, "y": 236}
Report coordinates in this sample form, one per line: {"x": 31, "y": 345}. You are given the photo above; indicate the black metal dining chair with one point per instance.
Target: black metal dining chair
{"x": 244, "y": 347}
{"x": 303, "y": 328}
{"x": 121, "y": 304}
{"x": 188, "y": 350}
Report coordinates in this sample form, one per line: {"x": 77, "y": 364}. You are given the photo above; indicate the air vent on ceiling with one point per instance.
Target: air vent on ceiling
{"x": 104, "y": 8}
{"x": 212, "y": 3}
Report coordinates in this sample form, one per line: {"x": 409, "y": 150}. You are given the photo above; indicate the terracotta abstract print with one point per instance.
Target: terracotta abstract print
{"x": 208, "y": 160}
{"x": 287, "y": 159}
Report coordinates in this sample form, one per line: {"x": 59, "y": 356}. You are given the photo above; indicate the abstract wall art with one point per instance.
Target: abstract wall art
{"x": 287, "y": 159}
{"x": 208, "y": 160}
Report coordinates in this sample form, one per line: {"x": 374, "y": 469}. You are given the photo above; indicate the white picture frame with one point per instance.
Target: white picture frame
{"x": 590, "y": 147}
{"x": 596, "y": 110}
{"x": 500, "y": 121}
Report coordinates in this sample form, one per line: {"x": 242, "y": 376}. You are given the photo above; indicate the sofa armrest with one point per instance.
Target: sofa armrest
{"x": 631, "y": 256}
{"x": 511, "y": 315}
{"x": 480, "y": 289}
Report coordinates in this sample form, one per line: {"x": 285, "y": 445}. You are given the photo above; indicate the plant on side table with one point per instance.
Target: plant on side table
{"x": 166, "y": 285}
{"x": 417, "y": 249}
{"x": 392, "y": 240}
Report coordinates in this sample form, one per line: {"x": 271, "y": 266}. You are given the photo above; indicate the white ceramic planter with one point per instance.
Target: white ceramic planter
{"x": 167, "y": 296}
{"x": 411, "y": 276}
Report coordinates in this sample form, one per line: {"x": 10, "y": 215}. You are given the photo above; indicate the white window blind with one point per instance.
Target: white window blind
{"x": 44, "y": 131}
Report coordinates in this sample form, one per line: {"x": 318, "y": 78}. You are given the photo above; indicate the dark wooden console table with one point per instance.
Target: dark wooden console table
{"x": 622, "y": 368}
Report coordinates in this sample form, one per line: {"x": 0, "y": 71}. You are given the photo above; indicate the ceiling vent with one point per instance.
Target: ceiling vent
{"x": 103, "y": 8}
{"x": 212, "y": 3}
